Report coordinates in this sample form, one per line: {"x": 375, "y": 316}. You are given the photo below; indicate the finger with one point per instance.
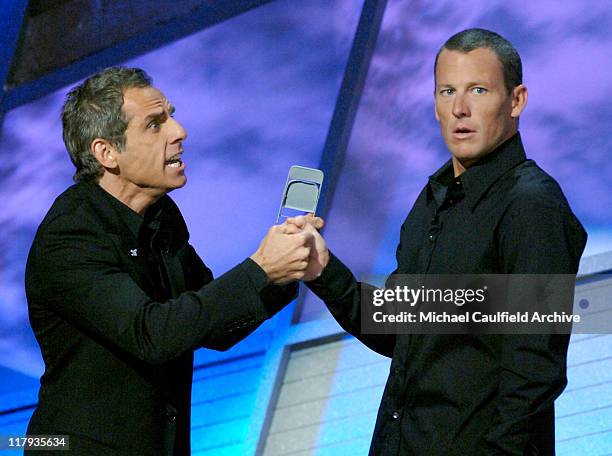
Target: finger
{"x": 311, "y": 230}
{"x": 318, "y": 222}
{"x": 298, "y": 221}
{"x": 304, "y": 253}
{"x": 307, "y": 235}
{"x": 290, "y": 229}
{"x": 275, "y": 229}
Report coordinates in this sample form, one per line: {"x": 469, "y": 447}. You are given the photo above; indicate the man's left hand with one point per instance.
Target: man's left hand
{"x": 319, "y": 254}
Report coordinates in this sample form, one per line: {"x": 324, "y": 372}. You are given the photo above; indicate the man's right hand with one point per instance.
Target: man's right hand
{"x": 284, "y": 254}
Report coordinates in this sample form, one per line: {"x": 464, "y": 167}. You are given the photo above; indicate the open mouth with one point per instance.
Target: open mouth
{"x": 462, "y": 131}
{"x": 174, "y": 161}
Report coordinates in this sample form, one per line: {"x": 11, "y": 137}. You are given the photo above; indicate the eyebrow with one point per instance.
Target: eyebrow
{"x": 469, "y": 84}
{"x": 159, "y": 114}
{"x": 154, "y": 116}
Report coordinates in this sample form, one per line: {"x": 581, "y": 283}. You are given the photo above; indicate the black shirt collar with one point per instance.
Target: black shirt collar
{"x": 478, "y": 178}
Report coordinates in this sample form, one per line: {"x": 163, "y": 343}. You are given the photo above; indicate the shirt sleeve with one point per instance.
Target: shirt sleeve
{"x": 274, "y": 296}
{"x": 258, "y": 277}
{"x": 341, "y": 292}
{"x": 538, "y": 235}
{"x": 77, "y": 272}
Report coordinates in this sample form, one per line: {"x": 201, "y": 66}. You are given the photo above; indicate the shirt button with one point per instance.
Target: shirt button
{"x": 397, "y": 370}
{"x": 395, "y": 415}
{"x": 431, "y": 237}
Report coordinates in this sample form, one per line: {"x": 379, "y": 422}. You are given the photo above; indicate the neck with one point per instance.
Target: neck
{"x": 459, "y": 167}
{"x": 136, "y": 198}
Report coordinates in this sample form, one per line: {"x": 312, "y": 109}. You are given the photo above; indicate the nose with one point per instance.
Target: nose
{"x": 461, "y": 106}
{"x": 178, "y": 132}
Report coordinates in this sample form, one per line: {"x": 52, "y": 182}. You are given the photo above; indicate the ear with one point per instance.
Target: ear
{"x": 104, "y": 152}
{"x": 519, "y": 100}
{"x": 436, "y": 108}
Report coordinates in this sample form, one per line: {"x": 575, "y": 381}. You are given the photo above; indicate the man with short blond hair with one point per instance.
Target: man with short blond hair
{"x": 488, "y": 210}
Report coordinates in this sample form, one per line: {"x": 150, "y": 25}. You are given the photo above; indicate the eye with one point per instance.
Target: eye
{"x": 479, "y": 90}
{"x": 447, "y": 92}
{"x": 153, "y": 125}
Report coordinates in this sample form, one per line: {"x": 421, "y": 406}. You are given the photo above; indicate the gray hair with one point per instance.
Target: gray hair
{"x": 93, "y": 110}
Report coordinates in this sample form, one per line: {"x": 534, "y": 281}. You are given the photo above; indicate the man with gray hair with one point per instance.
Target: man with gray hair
{"x": 118, "y": 298}
{"x": 487, "y": 210}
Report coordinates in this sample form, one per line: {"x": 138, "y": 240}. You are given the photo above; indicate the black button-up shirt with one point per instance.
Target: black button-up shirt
{"x": 503, "y": 215}
{"x": 471, "y": 394}
{"x": 146, "y": 230}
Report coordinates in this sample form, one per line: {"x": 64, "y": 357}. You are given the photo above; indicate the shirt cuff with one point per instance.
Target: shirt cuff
{"x": 335, "y": 279}
{"x": 273, "y": 297}
{"x": 256, "y": 274}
